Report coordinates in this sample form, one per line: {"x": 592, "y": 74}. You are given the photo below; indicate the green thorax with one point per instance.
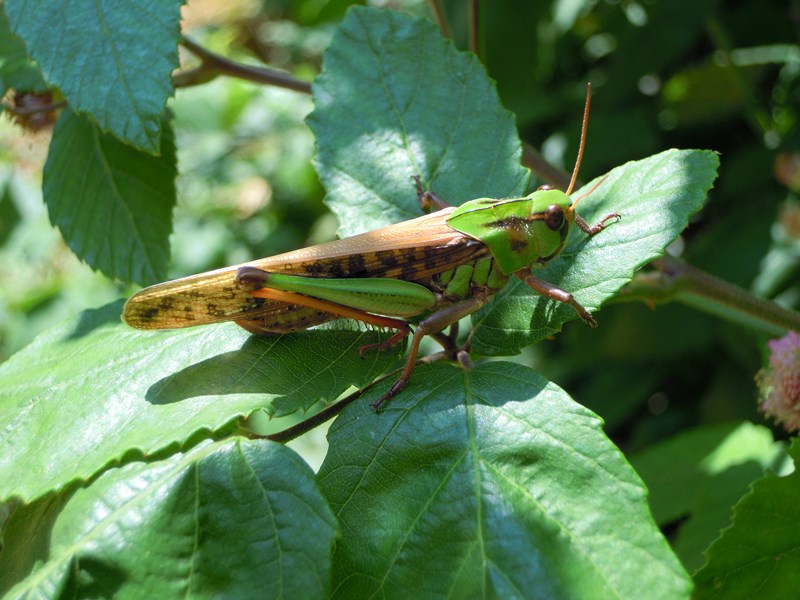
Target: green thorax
{"x": 518, "y": 231}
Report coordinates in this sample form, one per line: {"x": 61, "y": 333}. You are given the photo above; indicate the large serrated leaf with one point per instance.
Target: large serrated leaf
{"x": 112, "y": 203}
{"x": 16, "y": 69}
{"x": 395, "y": 99}
{"x": 178, "y": 528}
{"x": 92, "y": 390}
{"x": 113, "y": 60}
{"x": 655, "y": 198}
{"x": 490, "y": 483}
{"x": 757, "y": 556}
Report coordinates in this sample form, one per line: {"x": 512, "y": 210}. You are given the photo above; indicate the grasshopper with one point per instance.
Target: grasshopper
{"x": 430, "y": 271}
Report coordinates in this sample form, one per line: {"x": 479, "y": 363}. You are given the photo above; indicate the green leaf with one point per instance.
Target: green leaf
{"x": 92, "y": 391}
{"x": 695, "y": 478}
{"x": 395, "y": 99}
{"x": 26, "y": 529}
{"x": 9, "y": 213}
{"x": 111, "y": 60}
{"x": 757, "y": 556}
{"x": 17, "y": 71}
{"x": 229, "y": 519}
{"x": 655, "y": 198}
{"x": 112, "y": 203}
{"x": 491, "y": 483}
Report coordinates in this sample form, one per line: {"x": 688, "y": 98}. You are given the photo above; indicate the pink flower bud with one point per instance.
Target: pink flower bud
{"x": 779, "y": 384}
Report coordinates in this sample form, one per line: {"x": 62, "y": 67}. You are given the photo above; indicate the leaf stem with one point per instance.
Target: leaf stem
{"x": 213, "y": 65}
{"x": 319, "y": 418}
{"x": 313, "y": 421}
{"x": 331, "y": 411}
{"x": 677, "y": 280}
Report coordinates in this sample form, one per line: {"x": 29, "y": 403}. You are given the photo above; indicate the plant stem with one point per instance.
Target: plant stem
{"x": 677, "y": 280}
{"x": 536, "y": 163}
{"x": 474, "y": 31}
{"x": 440, "y": 18}
{"x": 212, "y": 65}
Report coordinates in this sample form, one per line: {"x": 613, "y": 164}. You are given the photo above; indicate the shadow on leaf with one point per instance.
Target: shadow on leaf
{"x": 94, "y": 318}
{"x": 301, "y": 369}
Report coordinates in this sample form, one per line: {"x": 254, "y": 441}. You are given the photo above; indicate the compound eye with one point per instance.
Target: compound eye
{"x": 545, "y": 187}
{"x": 554, "y": 217}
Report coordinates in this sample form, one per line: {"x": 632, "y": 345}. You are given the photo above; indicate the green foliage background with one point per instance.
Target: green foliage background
{"x": 674, "y": 386}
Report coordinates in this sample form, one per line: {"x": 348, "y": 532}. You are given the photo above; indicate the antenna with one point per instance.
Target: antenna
{"x": 583, "y": 139}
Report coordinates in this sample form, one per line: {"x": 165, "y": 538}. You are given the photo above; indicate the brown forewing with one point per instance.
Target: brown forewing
{"x": 413, "y": 250}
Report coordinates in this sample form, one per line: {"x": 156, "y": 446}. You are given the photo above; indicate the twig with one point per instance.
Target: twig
{"x": 536, "y": 163}
{"x": 213, "y": 65}
{"x": 679, "y": 281}
{"x": 474, "y": 32}
{"x": 440, "y": 18}
{"x": 24, "y": 111}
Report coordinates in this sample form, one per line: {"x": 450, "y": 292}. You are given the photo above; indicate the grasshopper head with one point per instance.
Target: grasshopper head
{"x": 520, "y": 232}
{"x": 552, "y": 214}
{"x": 524, "y": 232}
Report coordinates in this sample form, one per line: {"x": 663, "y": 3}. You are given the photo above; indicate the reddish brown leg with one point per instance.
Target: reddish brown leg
{"x": 448, "y": 341}
{"x": 428, "y": 326}
{"x": 550, "y": 291}
{"x": 386, "y": 344}
{"x": 597, "y": 227}
{"x": 581, "y": 223}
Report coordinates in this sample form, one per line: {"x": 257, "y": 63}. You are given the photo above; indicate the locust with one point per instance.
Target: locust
{"x": 416, "y": 278}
